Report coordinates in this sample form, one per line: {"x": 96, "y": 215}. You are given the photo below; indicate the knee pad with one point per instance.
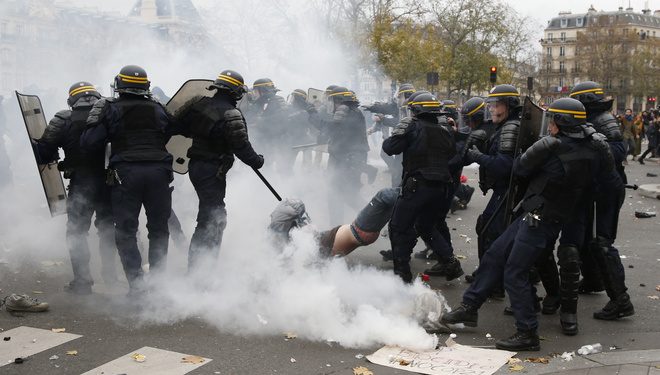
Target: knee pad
{"x": 568, "y": 256}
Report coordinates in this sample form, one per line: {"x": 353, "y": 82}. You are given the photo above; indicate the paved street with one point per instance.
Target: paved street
{"x": 109, "y": 327}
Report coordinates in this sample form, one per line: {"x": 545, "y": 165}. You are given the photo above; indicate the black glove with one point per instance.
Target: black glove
{"x": 473, "y": 154}
{"x": 310, "y": 108}
{"x": 259, "y": 162}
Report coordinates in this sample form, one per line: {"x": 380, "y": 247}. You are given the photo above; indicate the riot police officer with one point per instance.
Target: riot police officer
{"x": 219, "y": 132}
{"x": 88, "y": 193}
{"x": 347, "y": 149}
{"x": 427, "y": 148}
{"x": 300, "y": 131}
{"x": 600, "y": 254}
{"x": 495, "y": 164}
{"x": 268, "y": 113}
{"x": 140, "y": 168}
{"x": 561, "y": 169}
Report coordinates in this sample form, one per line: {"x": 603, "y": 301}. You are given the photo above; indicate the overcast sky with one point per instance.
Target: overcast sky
{"x": 541, "y": 11}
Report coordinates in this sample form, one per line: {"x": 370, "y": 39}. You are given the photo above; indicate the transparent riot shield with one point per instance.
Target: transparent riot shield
{"x": 316, "y": 97}
{"x": 531, "y": 125}
{"x": 178, "y": 145}
{"x": 51, "y": 179}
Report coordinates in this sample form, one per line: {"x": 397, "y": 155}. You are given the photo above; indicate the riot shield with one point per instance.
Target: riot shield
{"x": 178, "y": 145}
{"x": 51, "y": 179}
{"x": 316, "y": 97}
{"x": 531, "y": 125}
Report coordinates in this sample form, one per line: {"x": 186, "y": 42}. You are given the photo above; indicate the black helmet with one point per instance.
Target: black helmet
{"x": 449, "y": 107}
{"x": 474, "y": 108}
{"x": 505, "y": 93}
{"x": 264, "y": 85}
{"x": 416, "y": 94}
{"x": 300, "y": 93}
{"x": 231, "y": 81}
{"x": 81, "y": 89}
{"x": 341, "y": 94}
{"x": 587, "y": 92}
{"x": 132, "y": 79}
{"x": 406, "y": 89}
{"x": 568, "y": 114}
{"x": 424, "y": 102}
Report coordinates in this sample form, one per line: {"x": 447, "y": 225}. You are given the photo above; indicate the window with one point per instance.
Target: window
{"x": 549, "y": 50}
{"x": 561, "y": 81}
{"x": 561, "y": 67}
{"x": 563, "y": 22}
{"x": 563, "y": 37}
{"x": 548, "y": 66}
{"x": 562, "y": 51}
{"x": 550, "y": 38}
{"x": 625, "y": 31}
{"x": 579, "y": 22}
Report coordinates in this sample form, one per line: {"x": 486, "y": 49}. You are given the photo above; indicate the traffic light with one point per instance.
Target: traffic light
{"x": 493, "y": 74}
{"x": 651, "y": 99}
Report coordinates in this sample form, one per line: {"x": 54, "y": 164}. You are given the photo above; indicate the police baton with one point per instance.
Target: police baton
{"x": 268, "y": 185}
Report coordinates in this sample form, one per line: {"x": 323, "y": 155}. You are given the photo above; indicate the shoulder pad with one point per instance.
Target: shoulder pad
{"x": 539, "y": 151}
{"x": 64, "y": 114}
{"x": 509, "y": 136}
{"x": 96, "y": 111}
{"x": 233, "y": 115}
{"x": 607, "y": 125}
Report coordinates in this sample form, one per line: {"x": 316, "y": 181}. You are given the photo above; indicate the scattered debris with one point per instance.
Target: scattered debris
{"x": 37, "y": 292}
{"x": 542, "y": 360}
{"x": 453, "y": 336}
{"x": 651, "y": 175}
{"x": 328, "y": 365}
{"x": 54, "y": 357}
{"x": 644, "y": 214}
{"x": 642, "y": 285}
{"x": 567, "y": 356}
{"x": 403, "y": 362}
{"x": 362, "y": 371}
{"x": 459, "y": 219}
{"x": 7, "y": 338}
{"x": 139, "y": 357}
{"x": 623, "y": 256}
{"x": 359, "y": 356}
{"x": 513, "y": 361}
{"x": 614, "y": 347}
{"x": 290, "y": 336}
{"x": 425, "y": 277}
{"x": 489, "y": 336}
{"x": 516, "y": 368}
{"x": 58, "y": 330}
{"x": 631, "y": 266}
{"x": 19, "y": 360}
{"x": 34, "y": 340}
{"x": 654, "y": 297}
{"x": 293, "y": 360}
{"x": 461, "y": 257}
{"x": 657, "y": 287}
{"x": 72, "y": 352}
{"x": 194, "y": 359}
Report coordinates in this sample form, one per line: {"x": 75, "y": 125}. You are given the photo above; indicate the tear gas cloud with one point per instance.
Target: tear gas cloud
{"x": 255, "y": 288}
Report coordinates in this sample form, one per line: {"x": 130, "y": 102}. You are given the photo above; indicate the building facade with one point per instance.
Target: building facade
{"x": 618, "y": 49}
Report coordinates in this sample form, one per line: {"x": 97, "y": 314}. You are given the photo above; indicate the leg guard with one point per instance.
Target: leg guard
{"x": 569, "y": 270}
{"x": 610, "y": 267}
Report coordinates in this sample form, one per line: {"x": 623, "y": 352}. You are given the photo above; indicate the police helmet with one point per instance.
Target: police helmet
{"x": 505, "y": 93}
{"x": 231, "y": 81}
{"x": 449, "y": 107}
{"x": 297, "y": 96}
{"x": 341, "y": 94}
{"x": 264, "y": 85}
{"x": 587, "y": 92}
{"x": 80, "y": 90}
{"x": 424, "y": 103}
{"x": 473, "y": 109}
{"x": 568, "y": 114}
{"x": 132, "y": 79}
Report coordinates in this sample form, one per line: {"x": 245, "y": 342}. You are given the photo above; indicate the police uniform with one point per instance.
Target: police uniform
{"x": 599, "y": 258}
{"x": 138, "y": 128}
{"x": 561, "y": 170}
{"x": 427, "y": 148}
{"x": 219, "y": 132}
{"x": 268, "y": 114}
{"x": 88, "y": 193}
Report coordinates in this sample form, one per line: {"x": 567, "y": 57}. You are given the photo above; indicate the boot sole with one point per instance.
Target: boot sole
{"x": 454, "y": 276}
{"x": 525, "y": 349}
{"x": 622, "y": 314}
{"x": 467, "y": 324}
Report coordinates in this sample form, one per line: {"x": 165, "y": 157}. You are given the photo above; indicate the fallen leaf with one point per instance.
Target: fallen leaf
{"x": 290, "y": 336}
{"x": 543, "y": 360}
{"x": 139, "y": 357}
{"x": 516, "y": 368}
{"x": 654, "y": 297}
{"x": 513, "y": 361}
{"x": 72, "y": 352}
{"x": 403, "y": 362}
{"x": 657, "y": 287}
{"x": 58, "y": 330}
{"x": 194, "y": 359}
{"x": 362, "y": 371}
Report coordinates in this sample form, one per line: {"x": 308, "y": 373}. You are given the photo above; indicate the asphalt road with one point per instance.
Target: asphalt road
{"x": 106, "y": 336}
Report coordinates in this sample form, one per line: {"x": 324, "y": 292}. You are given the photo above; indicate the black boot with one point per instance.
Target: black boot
{"x": 465, "y": 314}
{"x": 402, "y": 269}
{"x": 615, "y": 309}
{"x": 438, "y": 269}
{"x": 550, "y": 304}
{"x": 387, "y": 255}
{"x": 569, "y": 324}
{"x": 520, "y": 341}
{"x": 470, "y": 278}
{"x": 453, "y": 269}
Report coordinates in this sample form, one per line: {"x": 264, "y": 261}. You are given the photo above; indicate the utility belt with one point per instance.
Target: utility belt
{"x": 412, "y": 183}
{"x": 68, "y": 170}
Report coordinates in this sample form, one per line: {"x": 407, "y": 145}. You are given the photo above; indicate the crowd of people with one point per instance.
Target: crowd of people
{"x": 637, "y": 127}
{"x": 541, "y": 193}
